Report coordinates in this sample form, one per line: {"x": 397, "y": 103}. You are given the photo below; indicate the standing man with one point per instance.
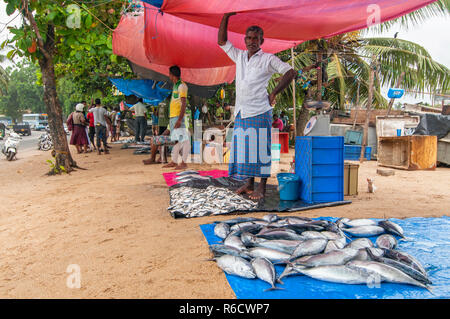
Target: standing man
{"x": 253, "y": 109}
{"x": 100, "y": 121}
{"x": 140, "y": 113}
{"x": 176, "y": 132}
{"x": 91, "y": 131}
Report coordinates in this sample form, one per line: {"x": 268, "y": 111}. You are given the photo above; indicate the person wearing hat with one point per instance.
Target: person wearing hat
{"x": 79, "y": 137}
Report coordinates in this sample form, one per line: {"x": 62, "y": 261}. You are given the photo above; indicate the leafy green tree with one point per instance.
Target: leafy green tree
{"x": 23, "y": 94}
{"x": 62, "y": 37}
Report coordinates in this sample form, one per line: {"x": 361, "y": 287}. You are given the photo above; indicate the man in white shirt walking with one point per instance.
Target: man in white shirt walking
{"x": 100, "y": 122}
{"x": 140, "y": 113}
{"x": 250, "y": 151}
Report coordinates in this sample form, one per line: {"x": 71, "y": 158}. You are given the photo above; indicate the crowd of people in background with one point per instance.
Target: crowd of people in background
{"x": 91, "y": 126}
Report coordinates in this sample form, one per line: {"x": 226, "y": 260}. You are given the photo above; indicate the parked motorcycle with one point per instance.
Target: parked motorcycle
{"x": 45, "y": 142}
{"x": 9, "y": 149}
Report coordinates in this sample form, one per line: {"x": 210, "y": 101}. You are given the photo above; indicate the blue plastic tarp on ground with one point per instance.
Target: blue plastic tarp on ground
{"x": 146, "y": 89}
{"x": 428, "y": 241}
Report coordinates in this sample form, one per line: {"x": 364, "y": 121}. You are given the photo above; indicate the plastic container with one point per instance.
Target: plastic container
{"x": 288, "y": 186}
{"x": 353, "y": 152}
{"x": 319, "y": 163}
{"x": 276, "y": 150}
{"x": 353, "y": 137}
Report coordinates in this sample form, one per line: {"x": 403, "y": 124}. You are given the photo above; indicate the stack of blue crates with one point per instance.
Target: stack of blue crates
{"x": 319, "y": 162}
{"x": 352, "y": 146}
{"x": 353, "y": 152}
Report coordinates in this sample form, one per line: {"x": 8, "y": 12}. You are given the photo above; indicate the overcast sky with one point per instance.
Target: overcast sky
{"x": 433, "y": 35}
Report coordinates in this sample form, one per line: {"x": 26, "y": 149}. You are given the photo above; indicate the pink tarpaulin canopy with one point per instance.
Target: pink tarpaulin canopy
{"x": 297, "y": 20}
{"x": 170, "y": 40}
{"x": 184, "y": 32}
{"x": 128, "y": 41}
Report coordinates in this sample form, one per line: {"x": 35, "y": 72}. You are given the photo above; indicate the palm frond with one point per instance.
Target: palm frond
{"x": 397, "y": 56}
{"x": 440, "y": 8}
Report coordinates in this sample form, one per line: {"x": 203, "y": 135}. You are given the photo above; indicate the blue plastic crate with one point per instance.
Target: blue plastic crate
{"x": 319, "y": 162}
{"x": 353, "y": 152}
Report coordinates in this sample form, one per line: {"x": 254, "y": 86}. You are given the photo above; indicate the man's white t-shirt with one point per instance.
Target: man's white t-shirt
{"x": 139, "y": 109}
{"x": 252, "y": 78}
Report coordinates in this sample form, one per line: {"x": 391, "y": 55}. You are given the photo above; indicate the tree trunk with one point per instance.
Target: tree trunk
{"x": 62, "y": 156}
{"x": 302, "y": 120}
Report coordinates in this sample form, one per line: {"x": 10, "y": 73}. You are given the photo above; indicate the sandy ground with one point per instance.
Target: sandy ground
{"x": 111, "y": 221}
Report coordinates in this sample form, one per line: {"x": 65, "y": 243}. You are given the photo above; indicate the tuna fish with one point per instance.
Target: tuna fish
{"x": 340, "y": 222}
{"x": 360, "y": 243}
{"x": 248, "y": 224}
{"x": 333, "y": 245}
{"x": 236, "y": 266}
{"x": 239, "y": 220}
{"x": 289, "y": 270}
{"x": 386, "y": 241}
{"x": 221, "y": 230}
{"x": 404, "y": 258}
{"x": 249, "y": 239}
{"x": 413, "y": 273}
{"x": 360, "y": 222}
{"x": 309, "y": 234}
{"x": 234, "y": 241}
{"x": 364, "y": 256}
{"x": 335, "y": 257}
{"x": 309, "y": 247}
{"x": 265, "y": 271}
{"x": 271, "y": 254}
{"x": 220, "y": 250}
{"x": 385, "y": 272}
{"x": 286, "y": 246}
{"x": 331, "y": 235}
{"x": 364, "y": 231}
{"x": 339, "y": 274}
{"x": 270, "y": 218}
{"x": 282, "y": 234}
{"x": 391, "y": 228}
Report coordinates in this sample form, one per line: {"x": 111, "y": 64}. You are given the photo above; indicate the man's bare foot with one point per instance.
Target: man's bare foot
{"x": 149, "y": 161}
{"x": 181, "y": 166}
{"x": 247, "y": 188}
{"x": 259, "y": 192}
{"x": 170, "y": 165}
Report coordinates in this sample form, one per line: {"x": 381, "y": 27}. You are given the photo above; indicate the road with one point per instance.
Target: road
{"x": 27, "y": 143}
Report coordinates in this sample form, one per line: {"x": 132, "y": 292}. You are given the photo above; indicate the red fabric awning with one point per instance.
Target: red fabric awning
{"x": 296, "y": 20}
{"x": 128, "y": 41}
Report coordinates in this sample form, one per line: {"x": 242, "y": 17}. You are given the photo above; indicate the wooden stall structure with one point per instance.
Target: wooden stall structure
{"x": 415, "y": 152}
{"x": 350, "y": 179}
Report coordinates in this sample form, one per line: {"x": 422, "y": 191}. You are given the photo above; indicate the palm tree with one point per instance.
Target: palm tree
{"x": 346, "y": 59}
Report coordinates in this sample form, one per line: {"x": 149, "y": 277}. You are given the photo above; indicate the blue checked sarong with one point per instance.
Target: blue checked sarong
{"x": 251, "y": 145}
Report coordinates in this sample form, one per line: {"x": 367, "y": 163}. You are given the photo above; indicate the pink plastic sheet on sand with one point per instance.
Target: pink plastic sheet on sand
{"x": 216, "y": 173}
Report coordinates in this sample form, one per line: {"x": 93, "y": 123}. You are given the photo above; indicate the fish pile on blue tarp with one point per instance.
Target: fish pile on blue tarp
{"x": 426, "y": 239}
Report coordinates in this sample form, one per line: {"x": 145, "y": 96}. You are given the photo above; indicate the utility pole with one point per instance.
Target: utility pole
{"x": 293, "y": 95}
{"x": 357, "y": 105}
{"x": 373, "y": 67}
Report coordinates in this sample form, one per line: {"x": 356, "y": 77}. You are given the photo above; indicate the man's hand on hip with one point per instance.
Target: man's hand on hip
{"x": 272, "y": 99}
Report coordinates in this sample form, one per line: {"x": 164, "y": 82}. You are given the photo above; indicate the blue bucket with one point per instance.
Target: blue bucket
{"x": 288, "y": 186}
